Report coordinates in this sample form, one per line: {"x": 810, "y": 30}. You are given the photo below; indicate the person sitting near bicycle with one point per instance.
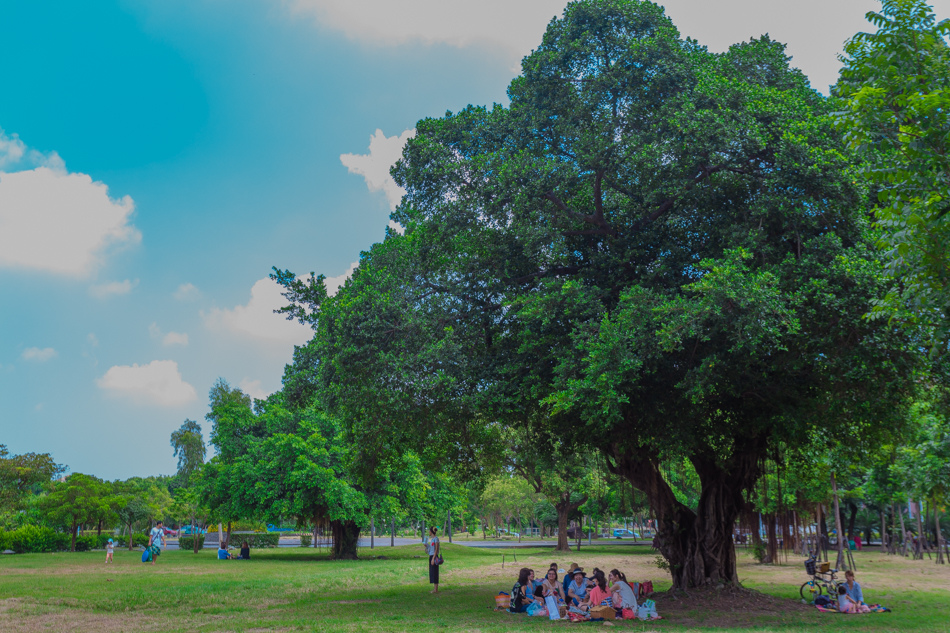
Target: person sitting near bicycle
{"x": 846, "y": 603}
{"x": 852, "y": 588}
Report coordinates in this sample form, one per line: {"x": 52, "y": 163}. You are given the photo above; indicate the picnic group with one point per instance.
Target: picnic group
{"x": 573, "y": 595}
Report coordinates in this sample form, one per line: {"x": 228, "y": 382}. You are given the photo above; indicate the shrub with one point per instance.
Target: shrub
{"x": 255, "y": 541}
{"x": 188, "y": 542}
{"x": 31, "y": 539}
{"x": 305, "y": 539}
{"x": 759, "y": 551}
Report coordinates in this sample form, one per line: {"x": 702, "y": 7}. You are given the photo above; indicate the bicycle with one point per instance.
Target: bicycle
{"x": 822, "y": 579}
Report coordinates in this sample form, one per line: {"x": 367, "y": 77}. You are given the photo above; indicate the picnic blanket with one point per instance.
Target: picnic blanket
{"x": 875, "y": 608}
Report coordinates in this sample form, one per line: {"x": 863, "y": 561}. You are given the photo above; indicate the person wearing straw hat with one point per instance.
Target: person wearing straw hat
{"x": 568, "y": 576}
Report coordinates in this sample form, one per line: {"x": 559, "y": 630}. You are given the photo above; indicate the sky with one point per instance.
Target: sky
{"x": 158, "y": 157}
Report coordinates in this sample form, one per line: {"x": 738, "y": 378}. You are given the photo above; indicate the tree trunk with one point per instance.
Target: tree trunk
{"x": 772, "y": 551}
{"x": 346, "y": 536}
{"x": 853, "y": 515}
{"x": 130, "y": 536}
{"x": 194, "y": 532}
{"x": 697, "y": 545}
{"x": 940, "y": 560}
{"x": 883, "y": 533}
{"x": 564, "y": 507}
{"x": 228, "y": 541}
{"x": 840, "y": 563}
{"x": 220, "y": 534}
{"x": 72, "y": 547}
{"x": 900, "y": 513}
{"x": 99, "y": 528}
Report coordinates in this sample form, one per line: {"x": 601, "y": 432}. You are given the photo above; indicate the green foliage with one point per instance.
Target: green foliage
{"x": 20, "y": 474}
{"x": 189, "y": 447}
{"x": 34, "y": 539}
{"x": 896, "y": 87}
{"x": 188, "y": 542}
{"x": 255, "y": 541}
{"x": 78, "y": 499}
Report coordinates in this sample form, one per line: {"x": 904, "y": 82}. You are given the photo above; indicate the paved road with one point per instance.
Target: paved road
{"x": 384, "y": 541}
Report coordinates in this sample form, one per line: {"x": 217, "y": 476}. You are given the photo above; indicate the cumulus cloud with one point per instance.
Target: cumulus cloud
{"x": 169, "y": 338}
{"x": 110, "y": 288}
{"x": 175, "y": 338}
{"x": 384, "y": 151}
{"x": 253, "y": 388}
{"x": 186, "y": 292}
{"x": 55, "y": 221}
{"x": 159, "y": 383}
{"x": 335, "y": 283}
{"x": 38, "y": 355}
{"x": 514, "y": 27}
{"x": 256, "y": 318}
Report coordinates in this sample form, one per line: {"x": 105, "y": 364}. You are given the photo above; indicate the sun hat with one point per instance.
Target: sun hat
{"x": 110, "y": 540}
{"x": 579, "y": 570}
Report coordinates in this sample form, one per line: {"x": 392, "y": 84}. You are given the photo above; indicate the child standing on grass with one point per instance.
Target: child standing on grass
{"x": 110, "y": 548}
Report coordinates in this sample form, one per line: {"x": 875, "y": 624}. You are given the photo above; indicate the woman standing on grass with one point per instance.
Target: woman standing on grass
{"x": 433, "y": 549}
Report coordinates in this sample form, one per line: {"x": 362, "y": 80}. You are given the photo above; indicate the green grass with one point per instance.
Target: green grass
{"x": 299, "y": 590}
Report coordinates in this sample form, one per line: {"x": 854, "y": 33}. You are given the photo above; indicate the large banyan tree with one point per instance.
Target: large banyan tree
{"x": 655, "y": 251}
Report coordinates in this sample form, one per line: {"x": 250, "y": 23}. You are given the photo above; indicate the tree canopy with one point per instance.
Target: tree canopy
{"x": 654, "y": 251}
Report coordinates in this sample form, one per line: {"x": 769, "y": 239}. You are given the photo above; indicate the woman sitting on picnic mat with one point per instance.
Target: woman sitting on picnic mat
{"x": 624, "y": 596}
{"x": 551, "y": 585}
{"x": 577, "y": 590}
{"x": 519, "y": 592}
{"x": 599, "y": 595}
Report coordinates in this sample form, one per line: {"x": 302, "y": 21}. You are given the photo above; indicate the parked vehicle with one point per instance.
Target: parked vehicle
{"x": 622, "y": 533}
{"x": 273, "y": 528}
{"x": 169, "y": 531}
{"x": 186, "y": 530}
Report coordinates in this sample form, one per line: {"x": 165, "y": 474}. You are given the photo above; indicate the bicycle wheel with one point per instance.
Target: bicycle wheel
{"x": 810, "y": 590}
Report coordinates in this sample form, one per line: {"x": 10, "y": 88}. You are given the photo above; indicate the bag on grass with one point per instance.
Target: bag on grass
{"x": 629, "y": 614}
{"x": 647, "y": 611}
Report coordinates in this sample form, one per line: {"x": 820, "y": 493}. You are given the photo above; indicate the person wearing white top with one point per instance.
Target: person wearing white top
{"x": 623, "y": 595}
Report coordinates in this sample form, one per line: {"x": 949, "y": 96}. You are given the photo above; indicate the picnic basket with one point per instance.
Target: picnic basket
{"x": 502, "y": 601}
{"x": 602, "y": 613}
{"x": 824, "y": 567}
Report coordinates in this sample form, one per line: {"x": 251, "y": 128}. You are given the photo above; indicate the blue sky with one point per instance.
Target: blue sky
{"x": 158, "y": 157}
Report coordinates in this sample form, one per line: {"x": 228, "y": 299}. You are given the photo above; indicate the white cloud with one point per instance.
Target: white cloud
{"x": 815, "y": 30}
{"x": 158, "y": 383}
{"x": 384, "y": 151}
{"x": 186, "y": 292}
{"x": 112, "y": 288}
{"x": 512, "y": 26}
{"x": 175, "y": 338}
{"x": 253, "y": 388}
{"x": 39, "y": 355}
{"x": 170, "y": 338}
{"x": 53, "y": 220}
{"x": 335, "y": 283}
{"x": 257, "y": 320}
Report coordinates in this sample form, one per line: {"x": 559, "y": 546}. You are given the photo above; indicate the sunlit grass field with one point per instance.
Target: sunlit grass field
{"x": 298, "y": 590}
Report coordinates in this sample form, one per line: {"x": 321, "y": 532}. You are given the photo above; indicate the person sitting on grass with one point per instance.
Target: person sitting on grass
{"x": 853, "y": 588}
{"x": 846, "y": 603}
{"x": 537, "y": 606}
{"x": 624, "y": 597}
{"x": 599, "y": 594}
{"x": 519, "y": 595}
{"x": 223, "y": 553}
{"x": 551, "y": 585}
{"x": 577, "y": 590}
{"x": 245, "y": 551}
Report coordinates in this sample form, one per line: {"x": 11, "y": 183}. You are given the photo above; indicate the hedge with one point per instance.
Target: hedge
{"x": 31, "y": 539}
{"x": 257, "y": 540}
{"x": 188, "y": 542}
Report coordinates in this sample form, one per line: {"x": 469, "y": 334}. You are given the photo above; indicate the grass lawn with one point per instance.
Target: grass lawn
{"x": 298, "y": 590}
